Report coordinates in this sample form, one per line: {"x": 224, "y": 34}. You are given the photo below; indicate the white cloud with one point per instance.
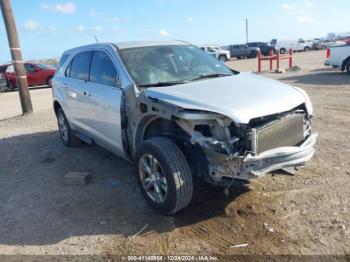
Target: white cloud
{"x": 96, "y": 28}
{"x": 116, "y": 29}
{"x": 301, "y": 12}
{"x": 304, "y": 19}
{"x": 163, "y": 32}
{"x": 93, "y": 13}
{"x": 51, "y": 28}
{"x": 79, "y": 28}
{"x": 31, "y": 25}
{"x": 83, "y": 29}
{"x": 309, "y": 4}
{"x": 114, "y": 19}
{"x": 64, "y": 8}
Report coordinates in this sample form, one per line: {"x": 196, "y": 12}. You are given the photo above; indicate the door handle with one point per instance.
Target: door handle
{"x": 87, "y": 94}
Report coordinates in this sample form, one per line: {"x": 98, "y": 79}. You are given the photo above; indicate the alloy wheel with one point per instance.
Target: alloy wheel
{"x": 63, "y": 127}
{"x": 153, "y": 178}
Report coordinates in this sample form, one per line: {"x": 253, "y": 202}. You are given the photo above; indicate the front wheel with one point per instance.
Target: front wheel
{"x": 347, "y": 67}
{"x": 164, "y": 175}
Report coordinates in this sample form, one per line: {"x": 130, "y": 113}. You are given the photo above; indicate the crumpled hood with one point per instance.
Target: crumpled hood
{"x": 241, "y": 97}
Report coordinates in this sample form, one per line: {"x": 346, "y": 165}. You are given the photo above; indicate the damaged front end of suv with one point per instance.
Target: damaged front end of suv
{"x": 220, "y": 150}
{"x": 248, "y": 151}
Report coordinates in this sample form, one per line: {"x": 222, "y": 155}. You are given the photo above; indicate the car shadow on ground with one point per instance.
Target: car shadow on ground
{"x": 38, "y": 209}
{"x": 320, "y": 77}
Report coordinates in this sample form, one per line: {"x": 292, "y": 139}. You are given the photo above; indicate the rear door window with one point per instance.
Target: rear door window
{"x": 80, "y": 66}
{"x": 103, "y": 70}
{"x": 29, "y": 68}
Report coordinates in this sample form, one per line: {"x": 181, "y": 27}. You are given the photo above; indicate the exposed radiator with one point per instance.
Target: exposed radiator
{"x": 286, "y": 132}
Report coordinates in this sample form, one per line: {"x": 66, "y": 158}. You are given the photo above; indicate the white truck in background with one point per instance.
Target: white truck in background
{"x": 285, "y": 45}
{"x": 215, "y": 50}
{"x": 339, "y": 57}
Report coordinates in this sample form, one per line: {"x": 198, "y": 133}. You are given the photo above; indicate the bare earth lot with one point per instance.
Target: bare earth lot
{"x": 305, "y": 214}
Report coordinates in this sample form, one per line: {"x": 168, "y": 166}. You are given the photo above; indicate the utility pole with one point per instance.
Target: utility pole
{"x": 16, "y": 54}
{"x": 247, "y": 30}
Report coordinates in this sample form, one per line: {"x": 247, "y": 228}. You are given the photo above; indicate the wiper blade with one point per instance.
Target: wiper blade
{"x": 160, "y": 84}
{"x": 210, "y": 76}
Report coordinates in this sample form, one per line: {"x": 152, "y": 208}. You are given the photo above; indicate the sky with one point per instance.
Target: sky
{"x": 49, "y": 27}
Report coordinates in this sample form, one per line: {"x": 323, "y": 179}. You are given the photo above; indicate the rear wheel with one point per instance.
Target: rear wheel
{"x": 11, "y": 87}
{"x": 164, "y": 175}
{"x": 67, "y": 135}
{"x": 283, "y": 50}
{"x": 49, "y": 81}
{"x": 223, "y": 58}
{"x": 347, "y": 67}
{"x": 306, "y": 49}
{"x": 253, "y": 55}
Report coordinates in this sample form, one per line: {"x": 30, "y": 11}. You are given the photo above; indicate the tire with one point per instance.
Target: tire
{"x": 164, "y": 175}
{"x": 253, "y": 55}
{"x": 306, "y": 49}
{"x": 283, "y": 51}
{"x": 324, "y": 47}
{"x": 223, "y": 58}
{"x": 11, "y": 87}
{"x": 66, "y": 133}
{"x": 49, "y": 81}
{"x": 347, "y": 67}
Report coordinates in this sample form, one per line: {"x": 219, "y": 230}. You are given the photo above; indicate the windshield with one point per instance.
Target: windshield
{"x": 171, "y": 64}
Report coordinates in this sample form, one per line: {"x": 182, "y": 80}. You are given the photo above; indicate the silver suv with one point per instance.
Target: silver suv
{"x": 177, "y": 112}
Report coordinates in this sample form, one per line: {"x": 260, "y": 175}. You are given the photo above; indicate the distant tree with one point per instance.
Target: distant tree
{"x": 49, "y": 61}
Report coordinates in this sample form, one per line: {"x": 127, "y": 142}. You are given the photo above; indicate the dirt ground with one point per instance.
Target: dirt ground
{"x": 279, "y": 214}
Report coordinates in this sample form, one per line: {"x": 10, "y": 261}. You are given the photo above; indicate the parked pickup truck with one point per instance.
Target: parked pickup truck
{"x": 178, "y": 113}
{"x": 217, "y": 51}
{"x": 265, "y": 48}
{"x": 339, "y": 57}
{"x": 243, "y": 51}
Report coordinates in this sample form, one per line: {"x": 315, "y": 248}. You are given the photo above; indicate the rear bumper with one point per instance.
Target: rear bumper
{"x": 252, "y": 167}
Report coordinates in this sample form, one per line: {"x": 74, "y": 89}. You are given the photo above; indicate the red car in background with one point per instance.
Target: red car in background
{"x": 37, "y": 74}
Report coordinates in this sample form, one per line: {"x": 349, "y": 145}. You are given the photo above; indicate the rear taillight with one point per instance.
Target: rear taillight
{"x": 328, "y": 52}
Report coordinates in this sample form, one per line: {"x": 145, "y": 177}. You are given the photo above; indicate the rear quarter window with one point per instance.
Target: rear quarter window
{"x": 62, "y": 61}
{"x": 3, "y": 69}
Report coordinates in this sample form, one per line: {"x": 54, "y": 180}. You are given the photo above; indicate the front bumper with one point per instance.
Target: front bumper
{"x": 280, "y": 158}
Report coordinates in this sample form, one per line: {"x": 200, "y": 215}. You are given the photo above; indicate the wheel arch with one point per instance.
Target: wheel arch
{"x": 155, "y": 126}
